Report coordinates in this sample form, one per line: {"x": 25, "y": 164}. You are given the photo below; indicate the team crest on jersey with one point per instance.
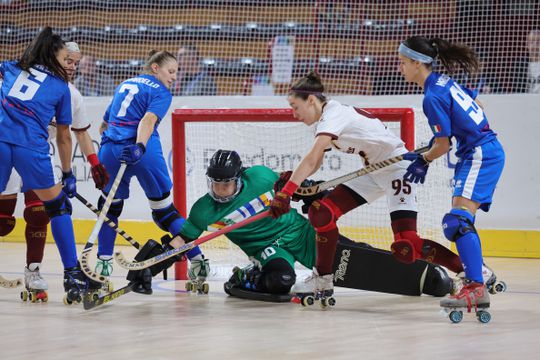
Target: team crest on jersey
{"x": 248, "y": 209}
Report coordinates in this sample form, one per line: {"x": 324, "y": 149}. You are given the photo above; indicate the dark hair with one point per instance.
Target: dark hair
{"x": 451, "y": 55}
{"x": 310, "y": 84}
{"x": 42, "y": 51}
{"x": 158, "y": 57}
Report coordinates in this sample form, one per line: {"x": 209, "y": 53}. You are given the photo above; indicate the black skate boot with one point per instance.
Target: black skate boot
{"x": 247, "y": 278}
{"x": 141, "y": 281}
{"x": 77, "y": 285}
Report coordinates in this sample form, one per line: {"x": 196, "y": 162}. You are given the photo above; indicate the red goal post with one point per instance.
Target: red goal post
{"x": 403, "y": 116}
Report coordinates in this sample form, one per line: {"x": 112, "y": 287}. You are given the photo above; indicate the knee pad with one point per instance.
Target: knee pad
{"x": 323, "y": 215}
{"x": 457, "y": 223}
{"x": 58, "y": 206}
{"x": 35, "y": 215}
{"x": 7, "y": 224}
{"x": 115, "y": 209}
{"x": 279, "y": 276}
{"x": 407, "y": 246}
{"x": 164, "y": 217}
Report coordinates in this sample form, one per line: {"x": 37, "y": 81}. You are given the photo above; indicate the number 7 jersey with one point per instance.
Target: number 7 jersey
{"x": 132, "y": 99}
{"x": 29, "y": 102}
{"x": 452, "y": 111}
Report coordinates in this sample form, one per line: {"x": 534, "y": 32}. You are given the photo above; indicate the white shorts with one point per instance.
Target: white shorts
{"x": 400, "y": 194}
{"x": 14, "y": 184}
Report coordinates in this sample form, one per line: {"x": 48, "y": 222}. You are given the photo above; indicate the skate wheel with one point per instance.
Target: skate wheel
{"x": 24, "y": 295}
{"x": 45, "y": 297}
{"x": 188, "y": 286}
{"x": 331, "y": 301}
{"x": 110, "y": 287}
{"x": 500, "y": 287}
{"x": 66, "y": 301}
{"x": 456, "y": 316}
{"x": 308, "y": 300}
{"x": 95, "y": 296}
{"x": 483, "y": 316}
{"x": 32, "y": 297}
{"x": 194, "y": 287}
{"x": 205, "y": 288}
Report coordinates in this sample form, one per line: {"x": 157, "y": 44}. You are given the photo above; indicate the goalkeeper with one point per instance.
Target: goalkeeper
{"x": 235, "y": 193}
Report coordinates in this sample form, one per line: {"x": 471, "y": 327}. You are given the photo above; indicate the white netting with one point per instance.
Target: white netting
{"x": 257, "y": 46}
{"x": 281, "y": 146}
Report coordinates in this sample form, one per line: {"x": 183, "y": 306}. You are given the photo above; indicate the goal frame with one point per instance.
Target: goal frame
{"x": 405, "y": 116}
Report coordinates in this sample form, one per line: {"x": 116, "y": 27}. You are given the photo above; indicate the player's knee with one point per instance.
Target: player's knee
{"x": 35, "y": 215}
{"x": 279, "y": 276}
{"x": 58, "y": 206}
{"x": 322, "y": 215}
{"x": 115, "y": 210}
{"x": 165, "y": 214}
{"x": 457, "y": 223}
{"x": 7, "y": 224}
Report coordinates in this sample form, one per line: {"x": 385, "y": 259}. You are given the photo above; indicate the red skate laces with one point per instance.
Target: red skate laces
{"x": 471, "y": 291}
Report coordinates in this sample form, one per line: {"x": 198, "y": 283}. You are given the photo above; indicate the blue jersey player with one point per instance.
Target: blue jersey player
{"x": 34, "y": 90}
{"x": 138, "y": 106}
{"x": 452, "y": 111}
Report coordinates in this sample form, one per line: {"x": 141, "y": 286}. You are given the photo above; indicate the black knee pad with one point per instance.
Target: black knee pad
{"x": 437, "y": 281}
{"x": 58, "y": 206}
{"x": 279, "y": 276}
{"x": 35, "y": 215}
{"x": 165, "y": 217}
{"x": 115, "y": 209}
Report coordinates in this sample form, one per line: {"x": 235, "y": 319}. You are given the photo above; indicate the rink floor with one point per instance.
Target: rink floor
{"x": 173, "y": 324}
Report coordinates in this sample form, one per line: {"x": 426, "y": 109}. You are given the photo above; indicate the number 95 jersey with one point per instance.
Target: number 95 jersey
{"x": 29, "y": 102}
{"x": 452, "y": 111}
{"x": 132, "y": 99}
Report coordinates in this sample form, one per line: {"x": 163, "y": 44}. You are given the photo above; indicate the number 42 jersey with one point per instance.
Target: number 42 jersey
{"x": 29, "y": 101}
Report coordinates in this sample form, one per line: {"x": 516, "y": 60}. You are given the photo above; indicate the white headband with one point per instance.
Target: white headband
{"x": 414, "y": 55}
{"x": 73, "y": 47}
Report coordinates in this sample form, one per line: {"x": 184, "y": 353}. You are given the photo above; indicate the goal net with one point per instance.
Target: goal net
{"x": 272, "y": 137}
{"x": 257, "y": 46}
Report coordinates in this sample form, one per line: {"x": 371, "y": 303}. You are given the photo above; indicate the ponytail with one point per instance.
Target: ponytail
{"x": 451, "y": 56}
{"x": 42, "y": 51}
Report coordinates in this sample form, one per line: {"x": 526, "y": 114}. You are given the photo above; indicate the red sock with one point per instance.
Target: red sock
{"x": 326, "y": 250}
{"x": 35, "y": 243}
{"x": 441, "y": 255}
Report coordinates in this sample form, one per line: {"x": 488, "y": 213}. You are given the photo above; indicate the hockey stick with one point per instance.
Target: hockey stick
{"x": 90, "y": 304}
{"x": 8, "y": 284}
{"x": 95, "y": 231}
{"x": 312, "y": 190}
{"x": 108, "y": 221}
{"x": 121, "y": 260}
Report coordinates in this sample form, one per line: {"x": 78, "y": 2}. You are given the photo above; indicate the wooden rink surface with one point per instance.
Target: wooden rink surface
{"x": 172, "y": 324}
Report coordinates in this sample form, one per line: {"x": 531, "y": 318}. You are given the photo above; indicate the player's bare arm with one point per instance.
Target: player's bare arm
{"x": 63, "y": 140}
{"x": 441, "y": 146}
{"x": 146, "y": 127}
{"x": 312, "y": 161}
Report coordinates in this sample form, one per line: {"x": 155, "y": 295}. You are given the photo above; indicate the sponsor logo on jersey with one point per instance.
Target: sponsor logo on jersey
{"x": 442, "y": 80}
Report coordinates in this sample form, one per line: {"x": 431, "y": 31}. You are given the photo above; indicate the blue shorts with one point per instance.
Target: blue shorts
{"x": 476, "y": 175}
{"x": 151, "y": 171}
{"x": 35, "y": 168}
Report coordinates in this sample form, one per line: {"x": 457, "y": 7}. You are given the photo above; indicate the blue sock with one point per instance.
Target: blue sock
{"x": 62, "y": 231}
{"x": 470, "y": 251}
{"x": 107, "y": 238}
{"x": 193, "y": 252}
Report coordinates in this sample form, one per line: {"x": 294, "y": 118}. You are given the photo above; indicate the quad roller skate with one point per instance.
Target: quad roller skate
{"x": 315, "y": 288}
{"x": 198, "y": 272}
{"x": 473, "y": 295}
{"x": 77, "y": 285}
{"x": 245, "y": 278}
{"x": 104, "y": 267}
{"x": 490, "y": 279}
{"x": 35, "y": 286}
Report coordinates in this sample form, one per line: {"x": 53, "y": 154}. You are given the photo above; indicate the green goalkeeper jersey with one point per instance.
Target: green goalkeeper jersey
{"x": 291, "y": 232}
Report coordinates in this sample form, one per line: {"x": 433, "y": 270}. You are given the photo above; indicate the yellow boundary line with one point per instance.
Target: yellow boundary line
{"x": 501, "y": 243}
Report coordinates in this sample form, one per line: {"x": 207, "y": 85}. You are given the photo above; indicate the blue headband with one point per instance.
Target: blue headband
{"x": 414, "y": 55}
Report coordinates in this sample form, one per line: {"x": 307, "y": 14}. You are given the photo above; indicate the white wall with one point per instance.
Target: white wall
{"x": 514, "y": 117}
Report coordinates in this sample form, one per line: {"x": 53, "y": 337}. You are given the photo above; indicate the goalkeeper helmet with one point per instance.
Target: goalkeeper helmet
{"x": 224, "y": 171}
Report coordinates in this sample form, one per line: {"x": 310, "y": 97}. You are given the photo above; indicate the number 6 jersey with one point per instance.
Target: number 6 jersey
{"x": 27, "y": 107}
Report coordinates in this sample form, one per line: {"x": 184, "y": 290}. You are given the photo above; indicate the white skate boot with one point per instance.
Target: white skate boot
{"x": 35, "y": 286}
{"x": 315, "y": 287}
{"x": 490, "y": 280}
{"x": 471, "y": 296}
{"x": 198, "y": 271}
